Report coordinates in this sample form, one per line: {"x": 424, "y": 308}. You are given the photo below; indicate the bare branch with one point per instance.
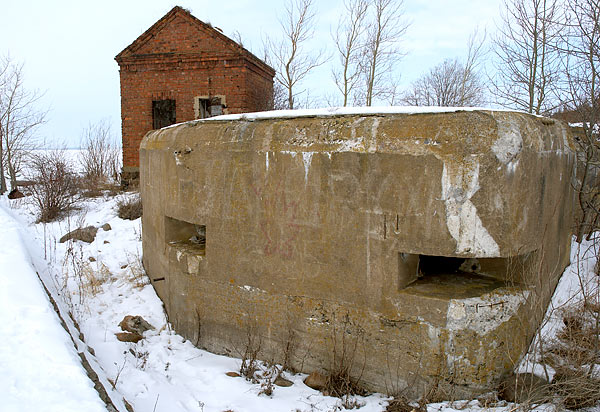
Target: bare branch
{"x": 381, "y": 51}
{"x": 347, "y": 39}
{"x": 447, "y": 84}
{"x": 18, "y": 120}
{"x": 527, "y": 62}
{"x": 100, "y": 156}
{"x": 452, "y": 83}
{"x": 580, "y": 100}
{"x": 291, "y": 61}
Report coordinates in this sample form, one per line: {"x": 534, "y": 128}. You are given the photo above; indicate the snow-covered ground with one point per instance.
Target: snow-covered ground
{"x": 41, "y": 370}
{"x": 100, "y": 283}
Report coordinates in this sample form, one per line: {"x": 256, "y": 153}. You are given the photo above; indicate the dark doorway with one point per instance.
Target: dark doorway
{"x": 163, "y": 113}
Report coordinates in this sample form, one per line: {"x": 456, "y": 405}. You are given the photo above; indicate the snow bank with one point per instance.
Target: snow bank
{"x": 41, "y": 370}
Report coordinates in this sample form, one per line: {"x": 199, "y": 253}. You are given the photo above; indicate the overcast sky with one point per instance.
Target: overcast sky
{"x": 68, "y": 47}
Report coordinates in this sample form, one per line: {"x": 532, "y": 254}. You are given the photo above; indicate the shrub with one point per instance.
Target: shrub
{"x": 346, "y": 339}
{"x": 55, "y": 184}
{"x": 100, "y": 155}
{"x": 129, "y": 207}
{"x": 571, "y": 350}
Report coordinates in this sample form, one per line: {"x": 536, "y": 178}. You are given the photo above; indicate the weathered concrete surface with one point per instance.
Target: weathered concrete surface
{"x": 308, "y": 233}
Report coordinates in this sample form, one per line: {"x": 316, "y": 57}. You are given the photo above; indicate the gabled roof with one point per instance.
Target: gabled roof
{"x": 147, "y": 37}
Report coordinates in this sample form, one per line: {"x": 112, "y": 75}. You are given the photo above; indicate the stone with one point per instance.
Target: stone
{"x": 283, "y": 382}
{"x": 15, "y": 194}
{"x": 129, "y": 337}
{"x": 525, "y": 387}
{"x": 86, "y": 234}
{"x": 316, "y": 381}
{"x": 106, "y": 227}
{"x": 488, "y": 399}
{"x": 135, "y": 324}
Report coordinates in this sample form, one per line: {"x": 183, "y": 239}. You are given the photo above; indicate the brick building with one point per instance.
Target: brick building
{"x": 183, "y": 69}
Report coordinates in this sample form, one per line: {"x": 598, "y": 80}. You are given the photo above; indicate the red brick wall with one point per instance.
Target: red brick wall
{"x": 181, "y": 62}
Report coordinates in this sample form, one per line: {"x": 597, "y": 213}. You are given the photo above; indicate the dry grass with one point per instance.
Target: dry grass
{"x": 341, "y": 382}
{"x": 129, "y": 207}
{"x": 91, "y": 187}
{"x": 576, "y": 390}
{"x": 88, "y": 276}
{"x": 93, "y": 276}
{"x": 574, "y": 354}
{"x": 401, "y": 404}
{"x": 137, "y": 275}
{"x": 252, "y": 347}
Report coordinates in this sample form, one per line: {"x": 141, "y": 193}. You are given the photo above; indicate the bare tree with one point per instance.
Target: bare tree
{"x": 349, "y": 44}
{"x": 471, "y": 80}
{"x": 581, "y": 59}
{"x": 451, "y": 83}
{"x": 580, "y": 51}
{"x": 4, "y": 66}
{"x": 527, "y": 68}
{"x": 280, "y": 97}
{"x": 100, "y": 154}
{"x": 18, "y": 119}
{"x": 447, "y": 84}
{"x": 290, "y": 57}
{"x": 381, "y": 51}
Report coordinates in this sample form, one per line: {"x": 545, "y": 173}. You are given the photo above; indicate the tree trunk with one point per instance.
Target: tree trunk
{"x": 2, "y": 179}
{"x": 12, "y": 174}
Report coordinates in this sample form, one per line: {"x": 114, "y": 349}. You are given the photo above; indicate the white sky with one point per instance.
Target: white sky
{"x": 68, "y": 47}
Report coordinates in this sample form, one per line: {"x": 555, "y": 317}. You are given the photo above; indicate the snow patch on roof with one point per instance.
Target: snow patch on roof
{"x": 342, "y": 111}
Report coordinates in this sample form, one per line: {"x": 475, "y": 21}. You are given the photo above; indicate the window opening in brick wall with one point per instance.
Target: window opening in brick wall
{"x": 163, "y": 113}
{"x": 215, "y": 108}
{"x": 209, "y": 106}
{"x": 188, "y": 236}
{"x": 203, "y": 105}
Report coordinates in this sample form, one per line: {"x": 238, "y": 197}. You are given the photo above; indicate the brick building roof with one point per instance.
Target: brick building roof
{"x": 146, "y": 45}
{"x": 182, "y": 69}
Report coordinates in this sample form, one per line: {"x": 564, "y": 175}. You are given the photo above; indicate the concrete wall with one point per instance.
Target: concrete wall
{"x": 330, "y": 232}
